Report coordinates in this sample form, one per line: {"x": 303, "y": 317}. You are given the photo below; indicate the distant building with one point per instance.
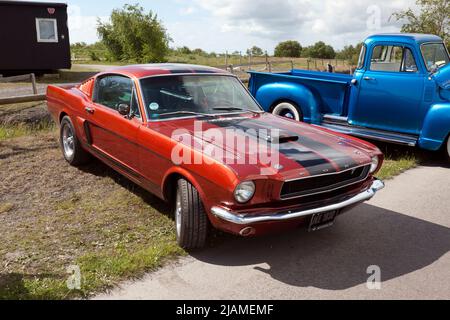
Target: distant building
{"x": 34, "y": 37}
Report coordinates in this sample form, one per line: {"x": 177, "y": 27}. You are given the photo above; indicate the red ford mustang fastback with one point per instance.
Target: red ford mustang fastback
{"x": 195, "y": 137}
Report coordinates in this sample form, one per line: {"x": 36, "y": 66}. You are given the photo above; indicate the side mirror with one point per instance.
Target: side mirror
{"x": 124, "y": 109}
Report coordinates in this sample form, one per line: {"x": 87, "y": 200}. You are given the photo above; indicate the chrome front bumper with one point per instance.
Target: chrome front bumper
{"x": 243, "y": 219}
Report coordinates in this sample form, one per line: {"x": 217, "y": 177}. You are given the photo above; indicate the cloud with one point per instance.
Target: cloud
{"x": 335, "y": 21}
{"x": 187, "y": 11}
{"x": 82, "y": 28}
{"x": 220, "y": 25}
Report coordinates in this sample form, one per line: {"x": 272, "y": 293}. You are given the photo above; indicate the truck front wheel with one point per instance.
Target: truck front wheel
{"x": 447, "y": 149}
{"x": 288, "y": 110}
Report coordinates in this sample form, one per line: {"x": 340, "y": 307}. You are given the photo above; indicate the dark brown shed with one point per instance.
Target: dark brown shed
{"x": 34, "y": 37}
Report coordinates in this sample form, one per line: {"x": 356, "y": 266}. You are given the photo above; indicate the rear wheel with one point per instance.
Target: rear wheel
{"x": 71, "y": 147}
{"x": 190, "y": 217}
{"x": 288, "y": 110}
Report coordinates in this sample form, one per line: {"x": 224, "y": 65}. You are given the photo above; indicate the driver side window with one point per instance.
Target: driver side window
{"x": 113, "y": 90}
{"x": 393, "y": 59}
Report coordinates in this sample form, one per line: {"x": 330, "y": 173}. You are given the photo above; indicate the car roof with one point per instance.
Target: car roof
{"x": 405, "y": 37}
{"x": 147, "y": 70}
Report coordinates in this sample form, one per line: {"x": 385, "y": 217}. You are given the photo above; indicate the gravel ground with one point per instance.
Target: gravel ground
{"x": 25, "y": 113}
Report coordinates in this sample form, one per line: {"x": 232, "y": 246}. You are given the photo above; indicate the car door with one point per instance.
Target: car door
{"x": 390, "y": 91}
{"x": 114, "y": 136}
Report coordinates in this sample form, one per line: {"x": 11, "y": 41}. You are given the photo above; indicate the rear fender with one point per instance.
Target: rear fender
{"x": 436, "y": 127}
{"x": 271, "y": 93}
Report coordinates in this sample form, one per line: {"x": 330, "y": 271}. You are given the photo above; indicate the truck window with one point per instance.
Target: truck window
{"x": 362, "y": 57}
{"x": 393, "y": 59}
{"x": 409, "y": 63}
{"x": 435, "y": 55}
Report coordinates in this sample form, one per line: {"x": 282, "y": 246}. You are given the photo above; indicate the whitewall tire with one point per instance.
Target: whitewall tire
{"x": 288, "y": 110}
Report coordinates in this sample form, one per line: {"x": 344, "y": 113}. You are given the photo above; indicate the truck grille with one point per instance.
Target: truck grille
{"x": 324, "y": 183}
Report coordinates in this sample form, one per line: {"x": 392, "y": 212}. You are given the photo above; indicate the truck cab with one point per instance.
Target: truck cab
{"x": 399, "y": 93}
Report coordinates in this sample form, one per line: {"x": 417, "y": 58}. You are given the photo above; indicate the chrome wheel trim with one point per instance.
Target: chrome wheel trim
{"x": 287, "y": 110}
{"x": 68, "y": 140}
{"x": 178, "y": 213}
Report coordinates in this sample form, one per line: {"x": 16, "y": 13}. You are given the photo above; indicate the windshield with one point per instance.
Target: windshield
{"x": 190, "y": 95}
{"x": 435, "y": 55}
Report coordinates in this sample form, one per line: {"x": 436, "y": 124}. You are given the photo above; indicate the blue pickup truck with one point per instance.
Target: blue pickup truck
{"x": 400, "y": 93}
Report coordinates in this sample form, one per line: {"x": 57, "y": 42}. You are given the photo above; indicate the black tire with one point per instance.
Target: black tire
{"x": 288, "y": 110}
{"x": 447, "y": 149}
{"x": 78, "y": 156}
{"x": 190, "y": 217}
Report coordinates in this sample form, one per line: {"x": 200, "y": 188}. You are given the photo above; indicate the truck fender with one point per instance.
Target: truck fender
{"x": 272, "y": 93}
{"x": 436, "y": 127}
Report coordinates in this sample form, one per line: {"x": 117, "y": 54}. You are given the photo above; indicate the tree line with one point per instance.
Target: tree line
{"x": 134, "y": 35}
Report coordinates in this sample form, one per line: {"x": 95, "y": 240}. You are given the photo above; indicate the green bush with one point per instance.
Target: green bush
{"x": 290, "y": 48}
{"x": 133, "y": 35}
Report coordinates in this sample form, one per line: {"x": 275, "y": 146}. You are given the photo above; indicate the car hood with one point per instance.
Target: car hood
{"x": 284, "y": 148}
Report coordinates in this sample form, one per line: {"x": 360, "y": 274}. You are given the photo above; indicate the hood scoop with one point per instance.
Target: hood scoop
{"x": 282, "y": 138}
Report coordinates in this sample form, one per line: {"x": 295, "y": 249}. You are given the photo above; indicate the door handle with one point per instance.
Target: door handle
{"x": 369, "y": 78}
{"x": 89, "y": 110}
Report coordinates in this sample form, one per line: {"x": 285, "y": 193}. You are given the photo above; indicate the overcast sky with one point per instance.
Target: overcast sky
{"x": 219, "y": 25}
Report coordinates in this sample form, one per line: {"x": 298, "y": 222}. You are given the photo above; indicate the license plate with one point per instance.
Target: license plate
{"x": 322, "y": 220}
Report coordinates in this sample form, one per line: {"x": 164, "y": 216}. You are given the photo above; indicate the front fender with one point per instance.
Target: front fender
{"x": 271, "y": 93}
{"x": 436, "y": 127}
{"x": 187, "y": 175}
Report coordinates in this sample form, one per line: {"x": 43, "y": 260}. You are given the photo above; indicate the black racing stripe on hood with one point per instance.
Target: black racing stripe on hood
{"x": 308, "y": 159}
{"x": 341, "y": 159}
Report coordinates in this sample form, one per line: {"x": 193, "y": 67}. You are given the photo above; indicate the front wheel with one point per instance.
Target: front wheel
{"x": 190, "y": 217}
{"x": 447, "y": 149}
{"x": 288, "y": 110}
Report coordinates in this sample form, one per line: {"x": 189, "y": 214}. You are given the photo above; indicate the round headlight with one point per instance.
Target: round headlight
{"x": 244, "y": 191}
{"x": 374, "y": 165}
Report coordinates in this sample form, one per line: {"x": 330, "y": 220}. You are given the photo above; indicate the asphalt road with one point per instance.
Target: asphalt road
{"x": 405, "y": 230}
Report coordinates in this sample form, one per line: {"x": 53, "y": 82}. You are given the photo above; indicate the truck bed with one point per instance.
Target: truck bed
{"x": 332, "y": 89}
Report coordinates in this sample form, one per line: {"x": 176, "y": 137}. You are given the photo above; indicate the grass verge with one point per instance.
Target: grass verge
{"x": 15, "y": 131}
{"x": 394, "y": 167}
{"x": 54, "y": 218}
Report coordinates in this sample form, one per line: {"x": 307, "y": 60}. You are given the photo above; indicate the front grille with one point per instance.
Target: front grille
{"x": 324, "y": 183}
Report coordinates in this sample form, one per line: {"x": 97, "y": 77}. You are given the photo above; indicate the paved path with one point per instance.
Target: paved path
{"x": 405, "y": 230}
